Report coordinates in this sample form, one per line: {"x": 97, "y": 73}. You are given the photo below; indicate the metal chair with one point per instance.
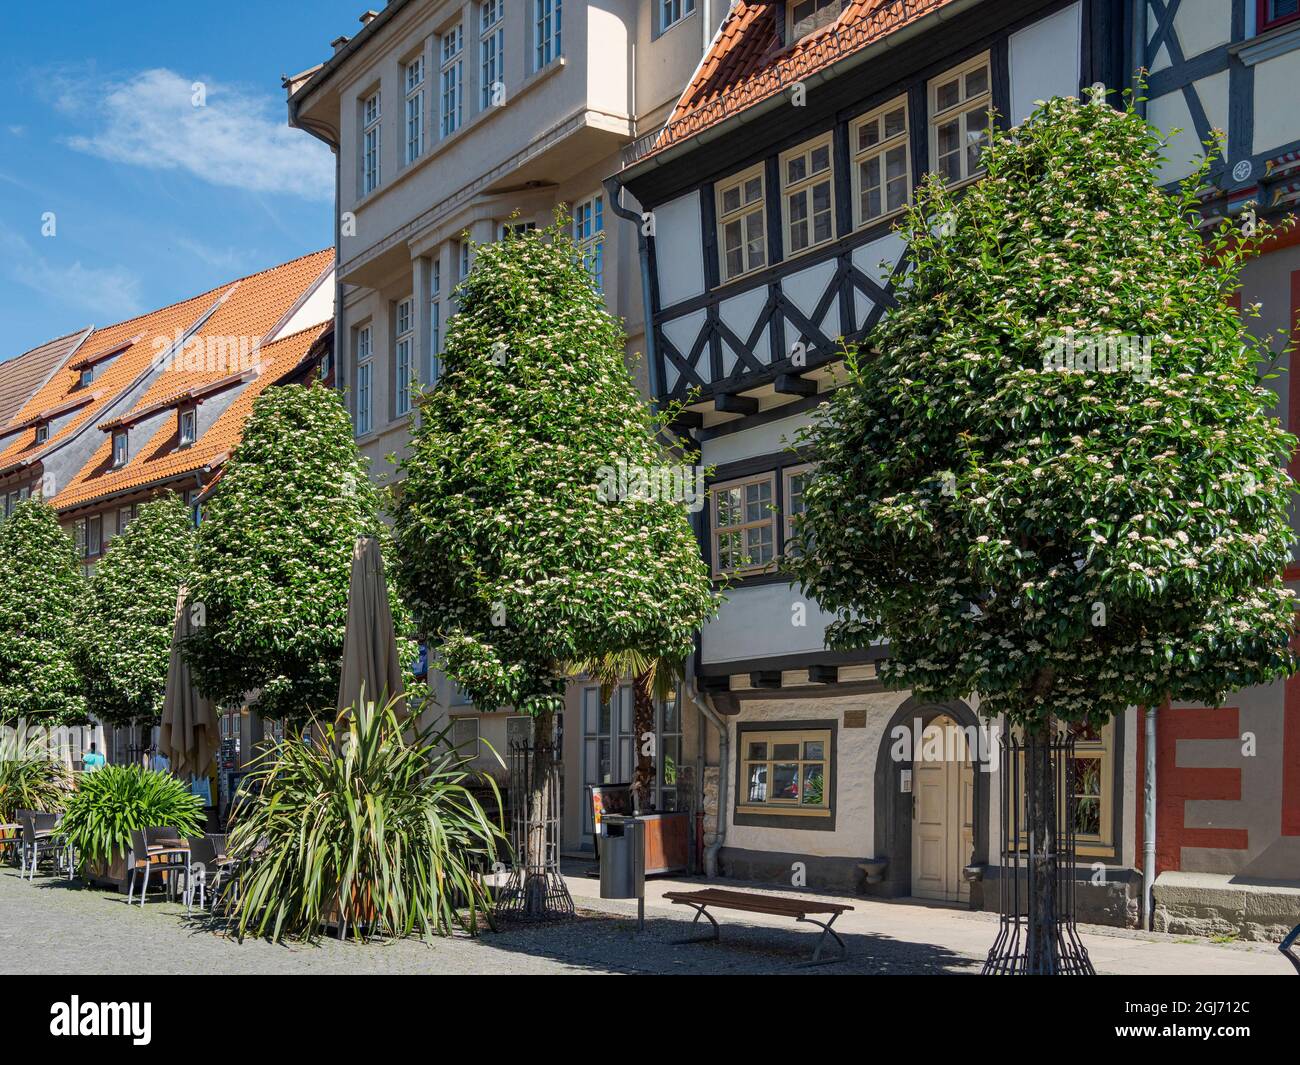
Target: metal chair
{"x": 1287, "y": 947}
{"x": 169, "y": 859}
{"x": 209, "y": 868}
{"x": 41, "y": 840}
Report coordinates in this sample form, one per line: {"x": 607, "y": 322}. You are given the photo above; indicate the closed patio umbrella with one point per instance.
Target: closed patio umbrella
{"x": 370, "y": 662}
{"x": 188, "y": 738}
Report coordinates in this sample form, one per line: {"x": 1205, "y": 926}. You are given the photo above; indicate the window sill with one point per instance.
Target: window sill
{"x": 781, "y": 811}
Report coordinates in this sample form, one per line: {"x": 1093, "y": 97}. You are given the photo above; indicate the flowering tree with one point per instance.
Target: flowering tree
{"x": 513, "y": 553}
{"x": 123, "y": 648}
{"x": 42, "y": 592}
{"x": 1053, "y": 479}
{"x": 274, "y": 557}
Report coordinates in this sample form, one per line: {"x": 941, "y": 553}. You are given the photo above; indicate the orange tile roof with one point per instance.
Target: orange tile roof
{"x": 23, "y": 375}
{"x": 158, "y": 461}
{"x": 246, "y": 308}
{"x": 748, "y": 61}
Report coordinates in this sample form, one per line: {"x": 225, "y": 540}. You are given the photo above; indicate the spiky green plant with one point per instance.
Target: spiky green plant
{"x": 29, "y": 778}
{"x": 110, "y": 802}
{"x": 367, "y": 824}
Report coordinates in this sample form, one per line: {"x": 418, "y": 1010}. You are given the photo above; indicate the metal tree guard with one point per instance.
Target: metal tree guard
{"x": 1018, "y": 882}
{"x": 535, "y": 891}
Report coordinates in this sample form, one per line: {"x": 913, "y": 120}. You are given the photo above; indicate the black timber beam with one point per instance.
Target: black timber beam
{"x": 789, "y": 384}
{"x": 729, "y": 404}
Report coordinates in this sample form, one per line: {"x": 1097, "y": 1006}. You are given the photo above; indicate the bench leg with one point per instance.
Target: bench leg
{"x": 827, "y": 930}
{"x": 700, "y": 911}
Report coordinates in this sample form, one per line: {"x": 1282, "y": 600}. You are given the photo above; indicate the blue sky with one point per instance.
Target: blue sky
{"x": 153, "y": 199}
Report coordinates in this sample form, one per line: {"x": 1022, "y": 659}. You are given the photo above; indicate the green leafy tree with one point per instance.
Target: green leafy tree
{"x": 125, "y": 644}
{"x": 42, "y": 593}
{"x": 515, "y": 550}
{"x": 274, "y": 557}
{"x": 1054, "y": 479}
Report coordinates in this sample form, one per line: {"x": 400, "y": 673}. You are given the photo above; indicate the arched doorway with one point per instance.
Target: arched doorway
{"x": 943, "y": 813}
{"x": 897, "y": 802}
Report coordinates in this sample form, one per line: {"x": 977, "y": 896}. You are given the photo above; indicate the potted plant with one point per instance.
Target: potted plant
{"x": 29, "y": 778}
{"x": 364, "y": 824}
{"x": 112, "y": 802}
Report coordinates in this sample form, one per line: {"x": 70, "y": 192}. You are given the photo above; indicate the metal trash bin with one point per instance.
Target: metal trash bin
{"x": 622, "y": 857}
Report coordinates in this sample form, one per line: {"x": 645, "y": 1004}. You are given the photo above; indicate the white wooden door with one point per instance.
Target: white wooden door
{"x": 943, "y": 824}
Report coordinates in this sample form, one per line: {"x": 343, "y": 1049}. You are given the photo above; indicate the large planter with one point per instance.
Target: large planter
{"x": 107, "y": 873}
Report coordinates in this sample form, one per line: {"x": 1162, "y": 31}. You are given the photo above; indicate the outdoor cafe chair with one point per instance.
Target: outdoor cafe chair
{"x": 209, "y": 868}
{"x": 40, "y": 839}
{"x": 146, "y": 857}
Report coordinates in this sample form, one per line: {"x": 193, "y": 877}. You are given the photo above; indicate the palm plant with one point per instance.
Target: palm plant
{"x": 367, "y": 826}
{"x": 29, "y": 778}
{"x": 115, "y": 800}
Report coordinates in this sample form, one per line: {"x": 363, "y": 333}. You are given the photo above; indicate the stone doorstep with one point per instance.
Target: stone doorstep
{"x": 1208, "y": 904}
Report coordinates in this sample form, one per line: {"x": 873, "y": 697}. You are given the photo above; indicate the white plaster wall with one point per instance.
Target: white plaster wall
{"x": 767, "y": 439}
{"x": 759, "y": 620}
{"x": 1277, "y": 121}
{"x": 316, "y": 308}
{"x": 1202, "y": 25}
{"x": 678, "y": 250}
{"x": 1045, "y": 60}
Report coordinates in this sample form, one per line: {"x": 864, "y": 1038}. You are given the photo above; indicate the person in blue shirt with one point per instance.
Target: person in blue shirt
{"x": 92, "y": 760}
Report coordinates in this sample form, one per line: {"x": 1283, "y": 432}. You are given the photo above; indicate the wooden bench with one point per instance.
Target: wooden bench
{"x": 752, "y": 902}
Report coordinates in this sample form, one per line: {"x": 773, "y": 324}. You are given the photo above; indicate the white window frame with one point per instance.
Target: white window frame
{"x": 881, "y": 150}
{"x": 548, "y": 37}
{"x": 371, "y": 143}
{"x": 467, "y": 747}
{"x": 451, "y": 79}
{"x": 413, "y": 75}
{"x": 806, "y": 187}
{"x": 825, "y": 13}
{"x": 491, "y": 49}
{"x": 517, "y": 229}
{"x": 961, "y": 111}
{"x": 129, "y": 514}
{"x": 740, "y": 215}
{"x": 589, "y": 236}
{"x": 403, "y": 354}
{"x": 671, "y": 12}
{"x": 435, "y": 321}
{"x": 94, "y": 536}
{"x": 120, "y": 435}
{"x": 464, "y": 261}
{"x": 365, "y": 349}
{"x": 190, "y": 416}
{"x": 787, "y": 477}
{"x": 43, "y": 432}
{"x": 740, "y": 528}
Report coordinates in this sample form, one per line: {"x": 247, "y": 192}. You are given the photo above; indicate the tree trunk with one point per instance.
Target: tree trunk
{"x": 539, "y": 805}
{"x": 1042, "y": 955}
{"x": 643, "y": 731}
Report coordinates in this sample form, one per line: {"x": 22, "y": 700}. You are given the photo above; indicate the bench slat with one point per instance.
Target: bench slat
{"x": 776, "y": 905}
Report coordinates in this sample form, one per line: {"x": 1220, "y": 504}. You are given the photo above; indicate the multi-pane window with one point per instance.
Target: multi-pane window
{"x": 119, "y": 447}
{"x": 453, "y": 79}
{"x": 744, "y": 525}
{"x": 42, "y": 432}
{"x": 370, "y": 143}
{"x": 807, "y": 16}
{"x": 464, "y": 736}
{"x": 86, "y": 377}
{"x": 786, "y": 770}
{"x": 404, "y": 348}
{"x": 1275, "y": 12}
{"x": 546, "y": 31}
{"x": 435, "y": 321}
{"x": 669, "y": 748}
{"x": 125, "y": 516}
{"x": 95, "y": 536}
{"x": 414, "y": 108}
{"x": 882, "y": 178}
{"x": 462, "y": 260}
{"x": 589, "y": 235}
{"x": 491, "y": 49}
{"x": 808, "y": 196}
{"x": 1093, "y": 782}
{"x": 742, "y": 223}
{"x": 365, "y": 379}
{"x": 959, "y": 119}
{"x": 517, "y": 229}
{"x": 188, "y": 426}
{"x": 671, "y": 11}
{"x": 796, "y": 480}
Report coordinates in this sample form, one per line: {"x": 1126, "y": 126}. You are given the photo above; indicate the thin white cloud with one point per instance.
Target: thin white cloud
{"x": 112, "y": 291}
{"x": 234, "y": 139}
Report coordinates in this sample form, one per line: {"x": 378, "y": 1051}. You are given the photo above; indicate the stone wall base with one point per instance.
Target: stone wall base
{"x": 1214, "y": 904}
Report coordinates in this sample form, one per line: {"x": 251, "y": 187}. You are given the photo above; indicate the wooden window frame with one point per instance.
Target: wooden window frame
{"x": 491, "y": 49}
{"x": 806, "y": 185}
{"x": 791, "y": 26}
{"x": 1103, "y": 749}
{"x": 788, "y": 515}
{"x": 715, "y": 538}
{"x": 451, "y": 80}
{"x": 880, "y": 150}
{"x": 1262, "y": 21}
{"x": 959, "y": 110}
{"x": 782, "y": 807}
{"x": 403, "y": 350}
{"x": 43, "y": 432}
{"x": 120, "y": 434}
{"x": 182, "y": 415}
{"x": 365, "y": 417}
{"x": 413, "y": 113}
{"x": 371, "y": 152}
{"x": 740, "y": 214}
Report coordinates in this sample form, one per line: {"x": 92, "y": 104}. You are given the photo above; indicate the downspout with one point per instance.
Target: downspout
{"x": 614, "y": 193}
{"x": 1138, "y": 45}
{"x": 1149, "y": 820}
{"x": 704, "y": 703}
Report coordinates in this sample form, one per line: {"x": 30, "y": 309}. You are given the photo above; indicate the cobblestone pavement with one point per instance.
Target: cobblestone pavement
{"x": 52, "y": 926}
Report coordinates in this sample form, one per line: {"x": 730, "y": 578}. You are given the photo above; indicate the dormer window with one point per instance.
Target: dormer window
{"x": 119, "y": 448}
{"x": 87, "y": 376}
{"x": 42, "y": 432}
{"x": 188, "y": 427}
{"x": 808, "y": 16}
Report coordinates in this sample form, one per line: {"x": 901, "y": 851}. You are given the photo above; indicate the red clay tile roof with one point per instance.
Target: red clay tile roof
{"x": 748, "y": 61}
{"x": 24, "y": 375}
{"x": 159, "y": 461}
{"x": 246, "y": 308}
